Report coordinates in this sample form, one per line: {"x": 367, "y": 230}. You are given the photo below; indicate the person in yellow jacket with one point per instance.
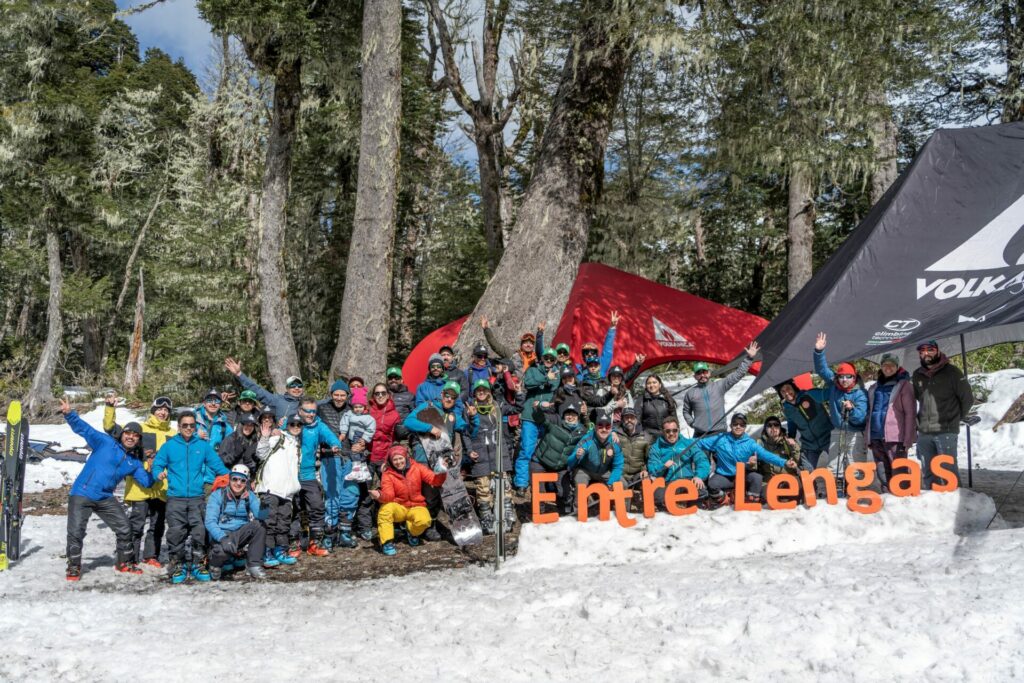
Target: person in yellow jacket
{"x": 147, "y": 504}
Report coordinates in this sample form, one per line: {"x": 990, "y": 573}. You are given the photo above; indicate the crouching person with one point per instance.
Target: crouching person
{"x": 401, "y": 497}
{"x": 736, "y": 446}
{"x": 232, "y": 520}
{"x": 93, "y": 491}
{"x": 598, "y": 458}
{"x": 674, "y": 458}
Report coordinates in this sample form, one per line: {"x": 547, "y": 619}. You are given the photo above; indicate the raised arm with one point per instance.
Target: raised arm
{"x": 608, "y": 352}
{"x": 492, "y": 340}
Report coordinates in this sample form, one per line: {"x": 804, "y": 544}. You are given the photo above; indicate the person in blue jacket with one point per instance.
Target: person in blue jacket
{"x": 597, "y": 457}
{"x": 111, "y": 461}
{"x": 430, "y": 388}
{"x": 233, "y": 522}
{"x": 807, "y": 416}
{"x": 607, "y": 351}
{"x": 736, "y": 446}
{"x": 310, "y": 498}
{"x": 284, "y": 405}
{"x": 848, "y": 410}
{"x": 674, "y": 457}
{"x": 211, "y": 424}
{"x": 183, "y": 461}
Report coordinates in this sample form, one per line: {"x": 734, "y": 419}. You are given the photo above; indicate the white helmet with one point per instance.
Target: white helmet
{"x": 240, "y": 470}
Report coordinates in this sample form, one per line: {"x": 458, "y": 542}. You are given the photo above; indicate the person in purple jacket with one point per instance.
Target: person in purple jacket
{"x": 892, "y": 417}
{"x": 93, "y": 491}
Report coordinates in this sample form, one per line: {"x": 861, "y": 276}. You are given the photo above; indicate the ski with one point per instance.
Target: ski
{"x": 12, "y": 484}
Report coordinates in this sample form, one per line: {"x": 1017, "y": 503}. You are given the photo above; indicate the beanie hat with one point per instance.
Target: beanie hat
{"x": 890, "y": 358}
{"x": 845, "y": 369}
{"x": 928, "y": 342}
{"x": 132, "y": 427}
{"x": 435, "y": 358}
{"x": 339, "y": 385}
{"x": 358, "y": 396}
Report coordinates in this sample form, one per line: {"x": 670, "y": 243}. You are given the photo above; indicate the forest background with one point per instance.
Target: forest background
{"x": 341, "y": 178}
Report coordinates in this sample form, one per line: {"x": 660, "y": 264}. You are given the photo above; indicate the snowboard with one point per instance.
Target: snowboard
{"x": 12, "y": 484}
{"x": 462, "y": 519}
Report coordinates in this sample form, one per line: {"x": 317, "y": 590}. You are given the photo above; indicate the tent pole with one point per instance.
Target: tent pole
{"x": 970, "y": 470}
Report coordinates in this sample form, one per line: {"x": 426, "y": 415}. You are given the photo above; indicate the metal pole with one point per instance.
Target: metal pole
{"x": 499, "y": 498}
{"x": 970, "y": 470}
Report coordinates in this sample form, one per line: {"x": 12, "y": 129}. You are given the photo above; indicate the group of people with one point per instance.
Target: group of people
{"x": 262, "y": 480}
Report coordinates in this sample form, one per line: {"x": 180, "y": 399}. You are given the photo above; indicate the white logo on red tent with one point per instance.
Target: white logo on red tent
{"x": 666, "y": 336}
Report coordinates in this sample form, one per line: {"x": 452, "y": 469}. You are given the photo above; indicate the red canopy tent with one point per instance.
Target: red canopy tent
{"x": 658, "y": 321}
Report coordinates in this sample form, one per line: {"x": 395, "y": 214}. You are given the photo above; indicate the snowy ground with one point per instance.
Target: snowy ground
{"x": 820, "y": 594}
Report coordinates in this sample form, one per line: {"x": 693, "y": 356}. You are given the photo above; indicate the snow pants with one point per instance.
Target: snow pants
{"x": 80, "y": 509}
{"x": 884, "y": 452}
{"x": 185, "y": 517}
{"x": 154, "y": 511}
{"x": 752, "y": 483}
{"x": 416, "y": 519}
{"x": 310, "y": 499}
{"x": 279, "y": 519}
{"x": 530, "y": 435}
{"x": 333, "y": 479}
{"x": 251, "y": 537}
{"x": 931, "y": 445}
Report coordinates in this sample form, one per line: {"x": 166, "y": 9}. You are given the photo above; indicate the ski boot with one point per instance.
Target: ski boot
{"x": 217, "y": 572}
{"x": 520, "y": 491}
{"x": 200, "y": 573}
{"x": 127, "y": 568}
{"x": 389, "y": 549}
{"x": 414, "y": 540}
{"x": 153, "y": 562}
{"x": 256, "y": 572}
{"x": 239, "y": 564}
{"x": 366, "y": 534}
{"x": 487, "y": 521}
{"x": 74, "y": 572}
{"x": 294, "y": 549}
{"x": 345, "y": 539}
{"x": 432, "y": 534}
{"x": 284, "y": 557}
{"x": 315, "y": 547}
{"x": 269, "y": 560}
{"x": 330, "y": 534}
{"x": 179, "y": 573}
{"x": 510, "y": 514}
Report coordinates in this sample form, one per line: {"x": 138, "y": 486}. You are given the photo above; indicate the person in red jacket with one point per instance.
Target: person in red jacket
{"x": 384, "y": 412}
{"x": 401, "y": 497}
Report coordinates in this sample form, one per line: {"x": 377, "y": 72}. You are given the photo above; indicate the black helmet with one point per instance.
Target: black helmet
{"x": 480, "y": 349}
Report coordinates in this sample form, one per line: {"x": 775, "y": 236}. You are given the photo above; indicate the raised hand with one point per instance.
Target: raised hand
{"x": 233, "y": 366}
{"x": 483, "y": 322}
{"x": 819, "y": 343}
{"x": 111, "y": 399}
{"x": 752, "y": 350}
{"x": 65, "y": 407}
{"x": 615, "y": 318}
{"x": 541, "y": 325}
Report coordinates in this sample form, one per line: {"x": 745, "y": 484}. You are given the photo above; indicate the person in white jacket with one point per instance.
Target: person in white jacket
{"x": 277, "y": 481}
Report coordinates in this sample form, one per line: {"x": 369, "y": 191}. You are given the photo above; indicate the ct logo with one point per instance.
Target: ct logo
{"x": 902, "y": 325}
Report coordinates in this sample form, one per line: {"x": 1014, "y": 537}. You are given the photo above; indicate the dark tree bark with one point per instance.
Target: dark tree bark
{"x": 135, "y": 369}
{"x": 801, "y": 227}
{"x": 275, "y": 314}
{"x": 366, "y": 306}
{"x": 540, "y": 263}
{"x": 883, "y": 137}
{"x": 41, "y": 392}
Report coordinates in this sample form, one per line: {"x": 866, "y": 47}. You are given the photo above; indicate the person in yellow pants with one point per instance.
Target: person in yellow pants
{"x": 401, "y": 498}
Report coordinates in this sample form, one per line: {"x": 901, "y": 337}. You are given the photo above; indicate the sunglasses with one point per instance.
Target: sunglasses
{"x": 603, "y": 428}
{"x": 214, "y": 401}
{"x": 186, "y": 425}
{"x": 239, "y": 479}
{"x": 846, "y": 377}
{"x": 380, "y": 393}
{"x": 563, "y": 353}
{"x": 739, "y": 424}
{"x": 294, "y": 424}
{"x": 670, "y": 431}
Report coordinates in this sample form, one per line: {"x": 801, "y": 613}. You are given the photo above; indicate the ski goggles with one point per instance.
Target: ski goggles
{"x": 162, "y": 402}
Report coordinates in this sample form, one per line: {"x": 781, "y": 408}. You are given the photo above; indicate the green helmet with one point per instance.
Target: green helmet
{"x": 394, "y": 372}
{"x": 247, "y": 395}
{"x": 700, "y": 365}
{"x": 480, "y": 384}
{"x": 452, "y": 386}
{"x": 562, "y": 347}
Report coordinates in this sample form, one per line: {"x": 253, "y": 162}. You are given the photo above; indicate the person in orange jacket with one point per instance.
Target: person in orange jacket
{"x": 401, "y": 497}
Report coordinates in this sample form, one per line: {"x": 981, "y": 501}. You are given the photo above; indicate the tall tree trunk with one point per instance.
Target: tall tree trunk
{"x": 366, "y": 306}
{"x": 801, "y": 226}
{"x": 883, "y": 137}
{"x": 553, "y": 221}
{"x": 490, "y": 196}
{"x": 41, "y": 392}
{"x": 135, "y": 369}
{"x": 275, "y": 316}
{"x": 252, "y": 284}
{"x": 108, "y": 331}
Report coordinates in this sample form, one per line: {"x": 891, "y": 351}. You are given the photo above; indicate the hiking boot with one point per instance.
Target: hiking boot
{"x": 74, "y": 572}
{"x": 315, "y": 550}
{"x": 431, "y": 534}
{"x": 179, "y": 573}
{"x": 415, "y": 540}
{"x": 127, "y": 568}
{"x": 520, "y": 491}
{"x": 200, "y": 573}
{"x": 256, "y": 572}
{"x": 269, "y": 560}
{"x": 153, "y": 562}
{"x": 284, "y": 557}
{"x": 389, "y": 549}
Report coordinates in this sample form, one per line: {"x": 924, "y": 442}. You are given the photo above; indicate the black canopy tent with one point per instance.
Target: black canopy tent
{"x": 939, "y": 256}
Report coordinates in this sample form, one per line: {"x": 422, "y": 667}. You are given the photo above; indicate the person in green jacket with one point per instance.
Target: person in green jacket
{"x": 540, "y": 383}
{"x": 561, "y": 436}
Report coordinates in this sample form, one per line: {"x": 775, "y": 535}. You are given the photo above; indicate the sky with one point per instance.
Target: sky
{"x": 175, "y": 27}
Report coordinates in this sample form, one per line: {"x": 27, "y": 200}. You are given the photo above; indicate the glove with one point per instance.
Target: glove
{"x": 440, "y": 465}
{"x": 228, "y": 545}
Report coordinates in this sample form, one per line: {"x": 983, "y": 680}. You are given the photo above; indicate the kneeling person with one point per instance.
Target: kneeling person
{"x": 401, "y": 497}
{"x": 675, "y": 458}
{"x": 598, "y": 458}
{"x": 232, "y": 520}
{"x": 736, "y": 446}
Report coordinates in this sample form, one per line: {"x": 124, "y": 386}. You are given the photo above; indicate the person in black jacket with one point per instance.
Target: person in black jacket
{"x": 944, "y": 398}
{"x": 401, "y": 396}
{"x": 653, "y": 405}
{"x": 239, "y": 448}
{"x": 485, "y": 456}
